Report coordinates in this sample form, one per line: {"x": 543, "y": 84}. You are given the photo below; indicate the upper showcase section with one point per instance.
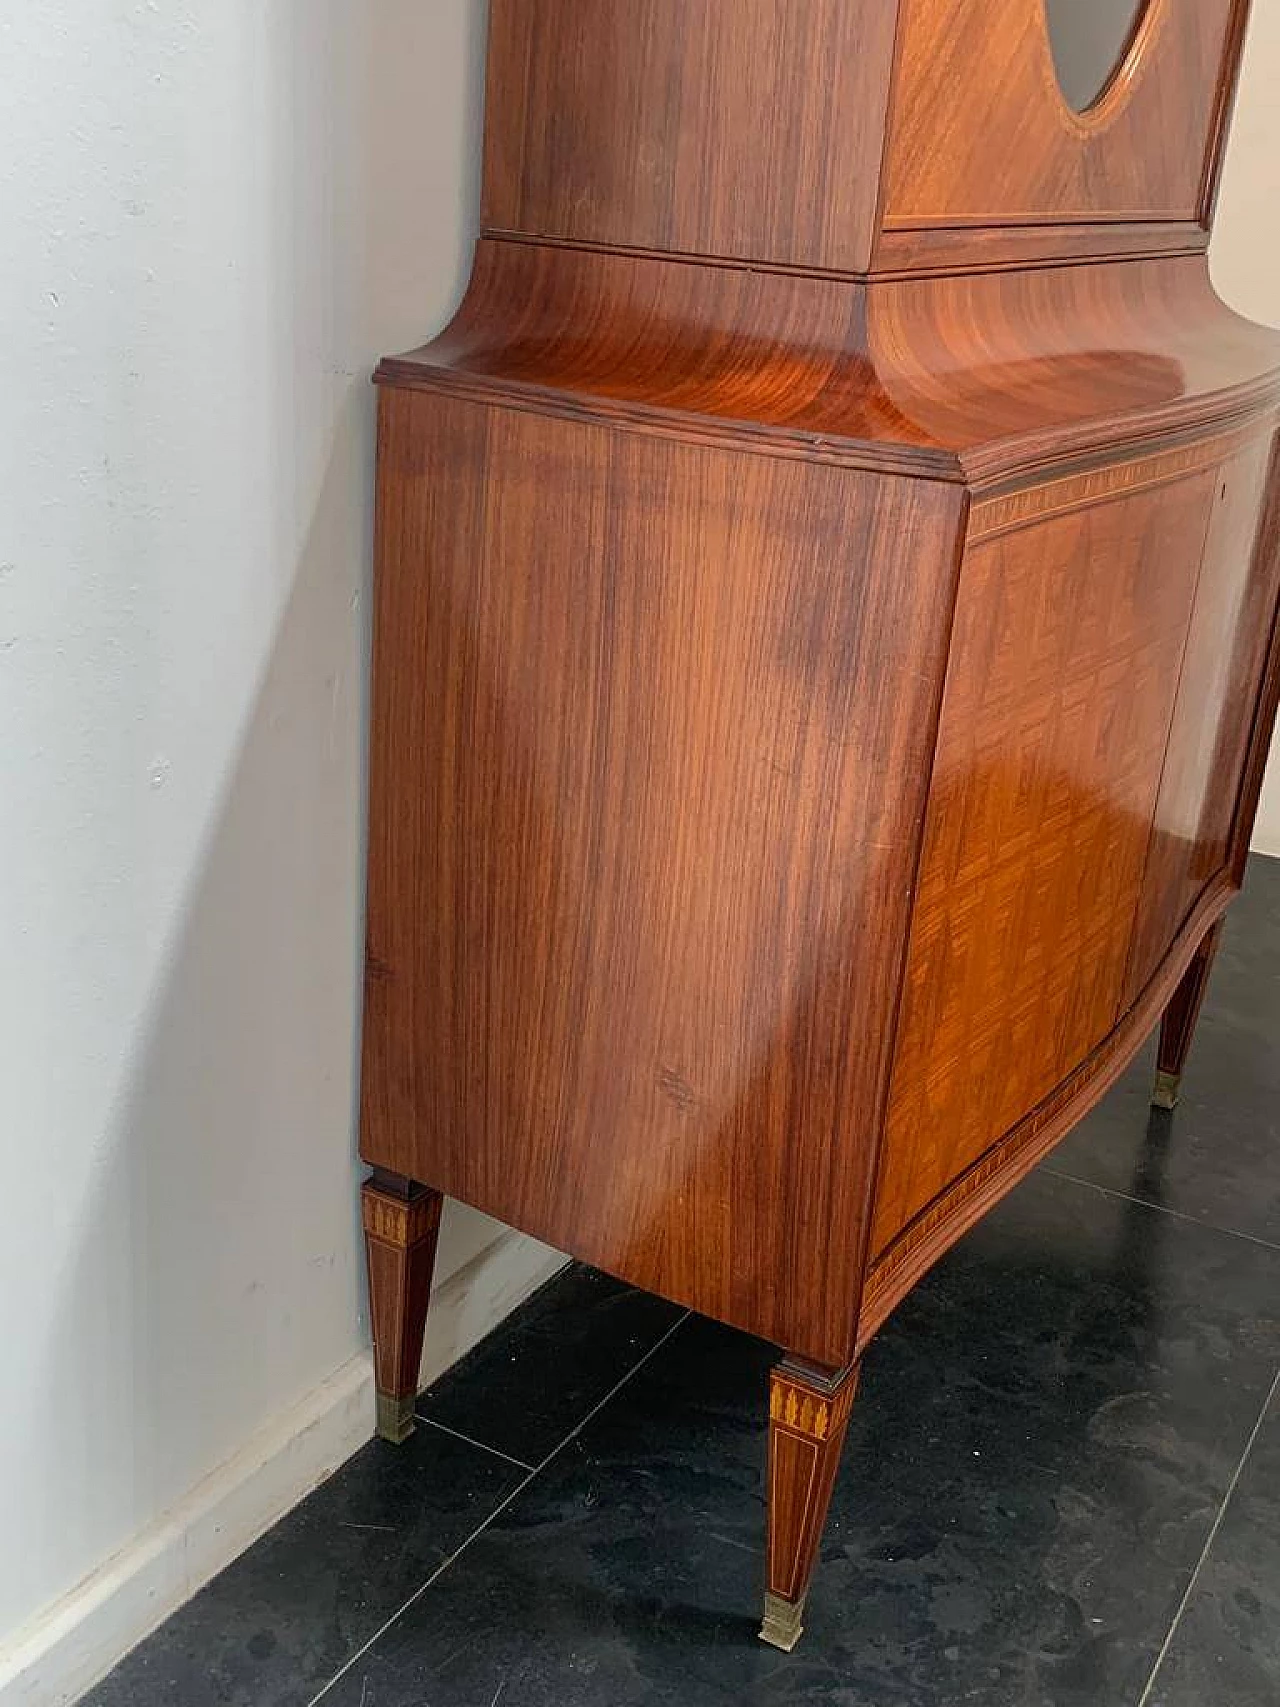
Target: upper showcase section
{"x": 859, "y": 136}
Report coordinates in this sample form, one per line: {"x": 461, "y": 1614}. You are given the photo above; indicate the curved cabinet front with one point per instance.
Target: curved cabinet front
{"x": 1075, "y": 616}
{"x": 1088, "y": 812}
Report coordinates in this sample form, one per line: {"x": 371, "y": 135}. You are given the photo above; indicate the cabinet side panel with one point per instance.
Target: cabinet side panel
{"x": 752, "y": 130}
{"x": 651, "y": 731}
{"x": 1068, "y": 641}
{"x": 1213, "y": 719}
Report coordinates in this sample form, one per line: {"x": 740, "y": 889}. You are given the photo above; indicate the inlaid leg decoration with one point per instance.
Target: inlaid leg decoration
{"x": 1179, "y": 1024}
{"x": 401, "y": 1222}
{"x": 808, "y": 1417}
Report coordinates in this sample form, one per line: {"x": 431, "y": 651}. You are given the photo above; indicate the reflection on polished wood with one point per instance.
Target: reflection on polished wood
{"x": 825, "y": 652}
{"x": 668, "y": 719}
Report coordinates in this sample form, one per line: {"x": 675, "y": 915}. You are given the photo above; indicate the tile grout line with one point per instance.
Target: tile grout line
{"x": 496, "y": 1512}
{"x": 1212, "y": 1537}
{"x": 430, "y": 1422}
{"x": 1161, "y": 1209}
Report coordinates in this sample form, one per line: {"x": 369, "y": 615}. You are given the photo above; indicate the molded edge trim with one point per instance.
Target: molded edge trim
{"x": 1139, "y": 432}
{"x": 722, "y": 432}
{"x": 911, "y": 251}
{"x": 1025, "y": 460}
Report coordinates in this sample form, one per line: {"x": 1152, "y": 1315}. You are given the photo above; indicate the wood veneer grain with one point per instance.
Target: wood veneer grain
{"x": 982, "y": 135}
{"x": 826, "y": 650}
{"x": 1219, "y": 681}
{"x": 660, "y": 124}
{"x": 895, "y": 1271}
{"x": 651, "y": 732}
{"x": 983, "y": 379}
{"x": 1064, "y": 669}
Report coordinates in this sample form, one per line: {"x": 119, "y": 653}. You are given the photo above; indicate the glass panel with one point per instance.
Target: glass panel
{"x": 1089, "y": 38}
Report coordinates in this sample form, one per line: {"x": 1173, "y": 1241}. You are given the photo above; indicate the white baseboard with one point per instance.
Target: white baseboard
{"x": 76, "y": 1641}
{"x": 72, "y": 1644}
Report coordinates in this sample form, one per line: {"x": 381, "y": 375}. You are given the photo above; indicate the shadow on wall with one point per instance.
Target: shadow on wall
{"x": 219, "y": 1218}
{"x": 204, "y": 1271}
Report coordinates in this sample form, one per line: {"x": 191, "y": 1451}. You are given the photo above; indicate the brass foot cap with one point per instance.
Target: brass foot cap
{"x": 783, "y": 1622}
{"x": 395, "y": 1418}
{"x": 1165, "y": 1094}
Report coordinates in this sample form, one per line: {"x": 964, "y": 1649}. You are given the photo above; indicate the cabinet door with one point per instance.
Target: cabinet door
{"x": 1218, "y": 691}
{"x": 1070, "y": 631}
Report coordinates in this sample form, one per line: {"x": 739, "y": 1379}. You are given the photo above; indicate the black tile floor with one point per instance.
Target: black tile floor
{"x": 1062, "y": 1481}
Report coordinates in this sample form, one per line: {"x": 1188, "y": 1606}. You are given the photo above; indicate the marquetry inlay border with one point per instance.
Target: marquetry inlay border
{"x": 991, "y": 517}
{"x": 399, "y": 1221}
{"x": 792, "y": 1407}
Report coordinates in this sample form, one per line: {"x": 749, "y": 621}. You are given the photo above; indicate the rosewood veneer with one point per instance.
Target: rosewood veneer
{"x": 825, "y": 655}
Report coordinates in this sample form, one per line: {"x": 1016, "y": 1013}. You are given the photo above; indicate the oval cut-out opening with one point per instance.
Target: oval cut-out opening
{"x": 1090, "y": 39}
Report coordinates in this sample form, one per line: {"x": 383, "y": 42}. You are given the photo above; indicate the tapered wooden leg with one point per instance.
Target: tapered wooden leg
{"x": 808, "y": 1418}
{"x": 1179, "y": 1024}
{"x": 401, "y": 1224}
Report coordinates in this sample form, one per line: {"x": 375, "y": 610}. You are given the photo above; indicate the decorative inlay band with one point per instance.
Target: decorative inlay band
{"x": 814, "y": 1415}
{"x": 993, "y": 516}
{"x": 397, "y": 1221}
{"x": 799, "y": 1410}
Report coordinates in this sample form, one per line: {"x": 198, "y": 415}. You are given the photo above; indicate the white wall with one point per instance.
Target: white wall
{"x": 1245, "y": 255}
{"x": 215, "y": 218}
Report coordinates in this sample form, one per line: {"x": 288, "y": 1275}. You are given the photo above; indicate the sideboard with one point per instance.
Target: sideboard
{"x": 825, "y": 654}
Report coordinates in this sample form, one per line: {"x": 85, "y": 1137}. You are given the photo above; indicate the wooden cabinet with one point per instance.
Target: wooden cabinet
{"x": 824, "y": 657}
